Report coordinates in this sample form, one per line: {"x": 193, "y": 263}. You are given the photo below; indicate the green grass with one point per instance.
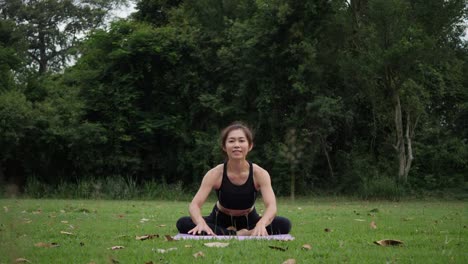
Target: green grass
{"x": 432, "y": 232}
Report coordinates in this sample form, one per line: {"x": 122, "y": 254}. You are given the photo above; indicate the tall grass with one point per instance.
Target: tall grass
{"x": 112, "y": 188}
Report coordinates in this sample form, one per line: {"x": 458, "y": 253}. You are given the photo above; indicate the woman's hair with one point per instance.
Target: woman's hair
{"x": 234, "y": 126}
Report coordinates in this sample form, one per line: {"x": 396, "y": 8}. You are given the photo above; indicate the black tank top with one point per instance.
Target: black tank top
{"x": 238, "y": 197}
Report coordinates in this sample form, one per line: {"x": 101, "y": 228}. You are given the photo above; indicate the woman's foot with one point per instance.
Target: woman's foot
{"x": 244, "y": 232}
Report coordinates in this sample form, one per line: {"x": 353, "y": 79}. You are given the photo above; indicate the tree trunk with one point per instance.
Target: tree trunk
{"x": 400, "y": 145}
{"x": 330, "y": 167}
{"x": 410, "y": 157}
{"x": 404, "y": 140}
{"x": 42, "y": 54}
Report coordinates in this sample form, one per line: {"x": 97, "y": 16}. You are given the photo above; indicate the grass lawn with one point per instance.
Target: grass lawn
{"x": 432, "y": 232}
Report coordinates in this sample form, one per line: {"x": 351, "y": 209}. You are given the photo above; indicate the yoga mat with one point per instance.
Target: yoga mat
{"x": 285, "y": 237}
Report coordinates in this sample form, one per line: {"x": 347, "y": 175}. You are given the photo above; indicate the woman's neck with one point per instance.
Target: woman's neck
{"x": 238, "y": 166}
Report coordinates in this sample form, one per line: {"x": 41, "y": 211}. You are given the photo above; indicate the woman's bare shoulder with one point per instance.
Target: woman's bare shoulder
{"x": 215, "y": 172}
{"x": 259, "y": 171}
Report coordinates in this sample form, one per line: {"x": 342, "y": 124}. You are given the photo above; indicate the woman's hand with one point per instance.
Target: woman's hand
{"x": 259, "y": 230}
{"x": 201, "y": 227}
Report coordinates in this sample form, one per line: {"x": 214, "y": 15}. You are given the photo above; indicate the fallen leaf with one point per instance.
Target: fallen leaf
{"x": 144, "y": 237}
{"x": 359, "y": 220}
{"x": 328, "y": 230}
{"x": 6, "y": 209}
{"x": 306, "y": 247}
{"x": 388, "y": 242}
{"x": 113, "y": 260}
{"x": 160, "y": 250}
{"x": 168, "y": 238}
{"x": 188, "y": 246}
{"x": 22, "y": 260}
{"x": 66, "y": 233}
{"x": 64, "y": 222}
{"x": 46, "y": 245}
{"x": 161, "y": 225}
{"x": 199, "y": 254}
{"x": 290, "y": 261}
{"x": 216, "y": 244}
{"x": 373, "y": 225}
{"x": 278, "y": 248}
{"x": 116, "y": 247}
{"x": 144, "y": 220}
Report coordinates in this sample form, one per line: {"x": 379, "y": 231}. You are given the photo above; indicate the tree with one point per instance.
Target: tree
{"x": 10, "y": 54}
{"x": 53, "y": 28}
{"x": 392, "y": 48}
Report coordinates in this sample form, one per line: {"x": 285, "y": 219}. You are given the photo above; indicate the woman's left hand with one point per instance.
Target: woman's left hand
{"x": 259, "y": 230}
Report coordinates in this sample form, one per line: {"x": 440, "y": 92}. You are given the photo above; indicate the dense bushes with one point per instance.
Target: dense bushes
{"x": 336, "y": 104}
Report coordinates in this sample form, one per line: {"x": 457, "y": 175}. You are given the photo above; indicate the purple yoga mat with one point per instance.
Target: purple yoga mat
{"x": 285, "y": 237}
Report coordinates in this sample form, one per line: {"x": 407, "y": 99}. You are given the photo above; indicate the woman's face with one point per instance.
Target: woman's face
{"x": 236, "y": 145}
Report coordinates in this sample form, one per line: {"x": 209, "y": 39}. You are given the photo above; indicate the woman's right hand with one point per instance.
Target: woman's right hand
{"x": 201, "y": 227}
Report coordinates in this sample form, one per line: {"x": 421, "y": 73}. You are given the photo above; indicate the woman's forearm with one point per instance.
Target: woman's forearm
{"x": 195, "y": 214}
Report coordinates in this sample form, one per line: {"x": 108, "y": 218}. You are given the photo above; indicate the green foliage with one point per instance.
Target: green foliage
{"x": 148, "y": 95}
{"x": 16, "y": 118}
{"x": 51, "y": 27}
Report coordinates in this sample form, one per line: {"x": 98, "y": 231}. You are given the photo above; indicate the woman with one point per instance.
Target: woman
{"x": 236, "y": 182}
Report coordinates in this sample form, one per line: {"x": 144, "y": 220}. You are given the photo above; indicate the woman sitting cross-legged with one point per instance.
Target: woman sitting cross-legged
{"x": 236, "y": 183}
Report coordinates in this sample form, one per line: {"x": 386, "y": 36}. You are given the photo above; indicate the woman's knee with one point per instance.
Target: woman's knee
{"x": 283, "y": 224}
{"x": 184, "y": 224}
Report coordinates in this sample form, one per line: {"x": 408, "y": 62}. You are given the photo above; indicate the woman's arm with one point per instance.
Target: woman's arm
{"x": 208, "y": 182}
{"x": 263, "y": 180}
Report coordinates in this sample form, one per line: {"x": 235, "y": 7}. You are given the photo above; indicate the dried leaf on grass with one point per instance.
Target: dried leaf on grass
{"x": 6, "y": 209}
{"x": 279, "y": 248}
{"x": 290, "y": 261}
{"x": 199, "y": 254}
{"x": 162, "y": 225}
{"x": 22, "y": 260}
{"x": 168, "y": 238}
{"x": 116, "y": 247}
{"x": 188, "y": 246}
{"x": 160, "y": 250}
{"x": 359, "y": 220}
{"x": 373, "y": 225}
{"x": 145, "y": 237}
{"x": 216, "y": 244}
{"x": 46, "y": 245}
{"x": 113, "y": 260}
{"x": 388, "y": 242}
{"x": 306, "y": 247}
{"x": 66, "y": 233}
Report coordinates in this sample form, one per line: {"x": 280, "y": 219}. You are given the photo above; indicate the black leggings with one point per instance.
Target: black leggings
{"x": 219, "y": 222}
